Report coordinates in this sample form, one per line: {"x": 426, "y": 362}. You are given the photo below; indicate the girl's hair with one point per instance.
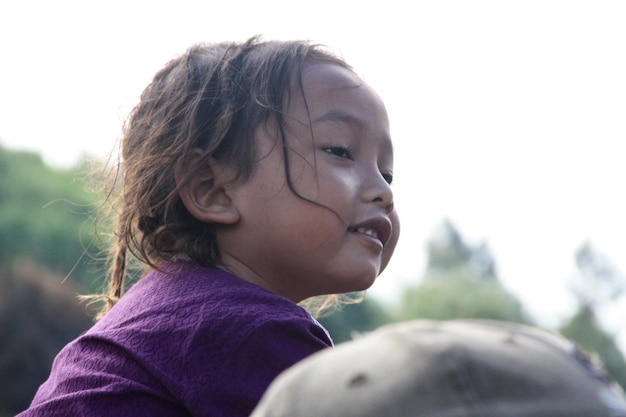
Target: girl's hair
{"x": 211, "y": 99}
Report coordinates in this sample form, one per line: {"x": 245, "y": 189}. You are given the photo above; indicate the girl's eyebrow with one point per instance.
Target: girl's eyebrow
{"x": 336, "y": 116}
{"x": 340, "y": 117}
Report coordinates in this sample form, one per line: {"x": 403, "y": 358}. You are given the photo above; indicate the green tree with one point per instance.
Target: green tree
{"x": 448, "y": 253}
{"x": 39, "y": 314}
{"x": 584, "y": 329}
{"x": 460, "y": 281}
{"x": 598, "y": 282}
{"x": 596, "y": 285}
{"x": 458, "y": 297}
{"x": 352, "y": 319}
{"x": 45, "y": 216}
{"x": 45, "y": 235}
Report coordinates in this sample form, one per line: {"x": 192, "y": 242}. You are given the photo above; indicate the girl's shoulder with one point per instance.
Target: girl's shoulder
{"x": 185, "y": 283}
{"x": 186, "y": 295}
{"x": 191, "y": 335}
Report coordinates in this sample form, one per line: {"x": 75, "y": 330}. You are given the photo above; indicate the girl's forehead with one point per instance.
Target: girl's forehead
{"x": 329, "y": 76}
{"x": 335, "y": 102}
{"x": 327, "y": 86}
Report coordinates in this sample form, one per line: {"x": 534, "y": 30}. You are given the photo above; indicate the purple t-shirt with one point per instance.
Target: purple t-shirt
{"x": 194, "y": 342}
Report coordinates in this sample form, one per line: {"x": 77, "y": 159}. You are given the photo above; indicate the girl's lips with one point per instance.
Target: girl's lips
{"x": 377, "y": 228}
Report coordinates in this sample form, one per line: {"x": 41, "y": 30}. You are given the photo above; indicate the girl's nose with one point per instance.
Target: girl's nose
{"x": 378, "y": 191}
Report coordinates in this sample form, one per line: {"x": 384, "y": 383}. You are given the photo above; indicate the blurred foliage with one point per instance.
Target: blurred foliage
{"x": 460, "y": 281}
{"x": 46, "y": 259}
{"x": 460, "y": 296}
{"x": 448, "y": 252}
{"x": 584, "y": 329}
{"x": 46, "y": 214}
{"x": 38, "y": 316}
{"x": 597, "y": 284}
{"x": 353, "y": 319}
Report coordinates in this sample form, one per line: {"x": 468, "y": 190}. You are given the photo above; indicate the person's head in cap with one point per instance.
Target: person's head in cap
{"x": 446, "y": 369}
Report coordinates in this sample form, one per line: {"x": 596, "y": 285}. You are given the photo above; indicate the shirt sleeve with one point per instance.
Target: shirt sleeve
{"x": 267, "y": 351}
{"x": 92, "y": 377}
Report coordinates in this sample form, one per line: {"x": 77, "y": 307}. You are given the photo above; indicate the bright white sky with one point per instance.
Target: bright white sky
{"x": 509, "y": 117}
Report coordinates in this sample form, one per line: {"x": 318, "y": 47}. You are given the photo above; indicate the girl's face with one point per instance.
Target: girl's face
{"x": 339, "y": 232}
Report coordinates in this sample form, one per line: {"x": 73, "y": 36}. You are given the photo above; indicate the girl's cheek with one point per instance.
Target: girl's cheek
{"x": 395, "y": 234}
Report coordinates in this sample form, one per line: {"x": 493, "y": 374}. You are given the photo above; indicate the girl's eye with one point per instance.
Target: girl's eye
{"x": 339, "y": 151}
{"x": 388, "y": 177}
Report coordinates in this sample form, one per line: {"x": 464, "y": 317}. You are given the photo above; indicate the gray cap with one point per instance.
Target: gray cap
{"x": 446, "y": 369}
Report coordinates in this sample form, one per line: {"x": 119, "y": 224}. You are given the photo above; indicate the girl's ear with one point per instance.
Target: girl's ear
{"x": 205, "y": 195}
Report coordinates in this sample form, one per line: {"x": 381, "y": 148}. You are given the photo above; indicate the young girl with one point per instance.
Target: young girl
{"x": 254, "y": 176}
